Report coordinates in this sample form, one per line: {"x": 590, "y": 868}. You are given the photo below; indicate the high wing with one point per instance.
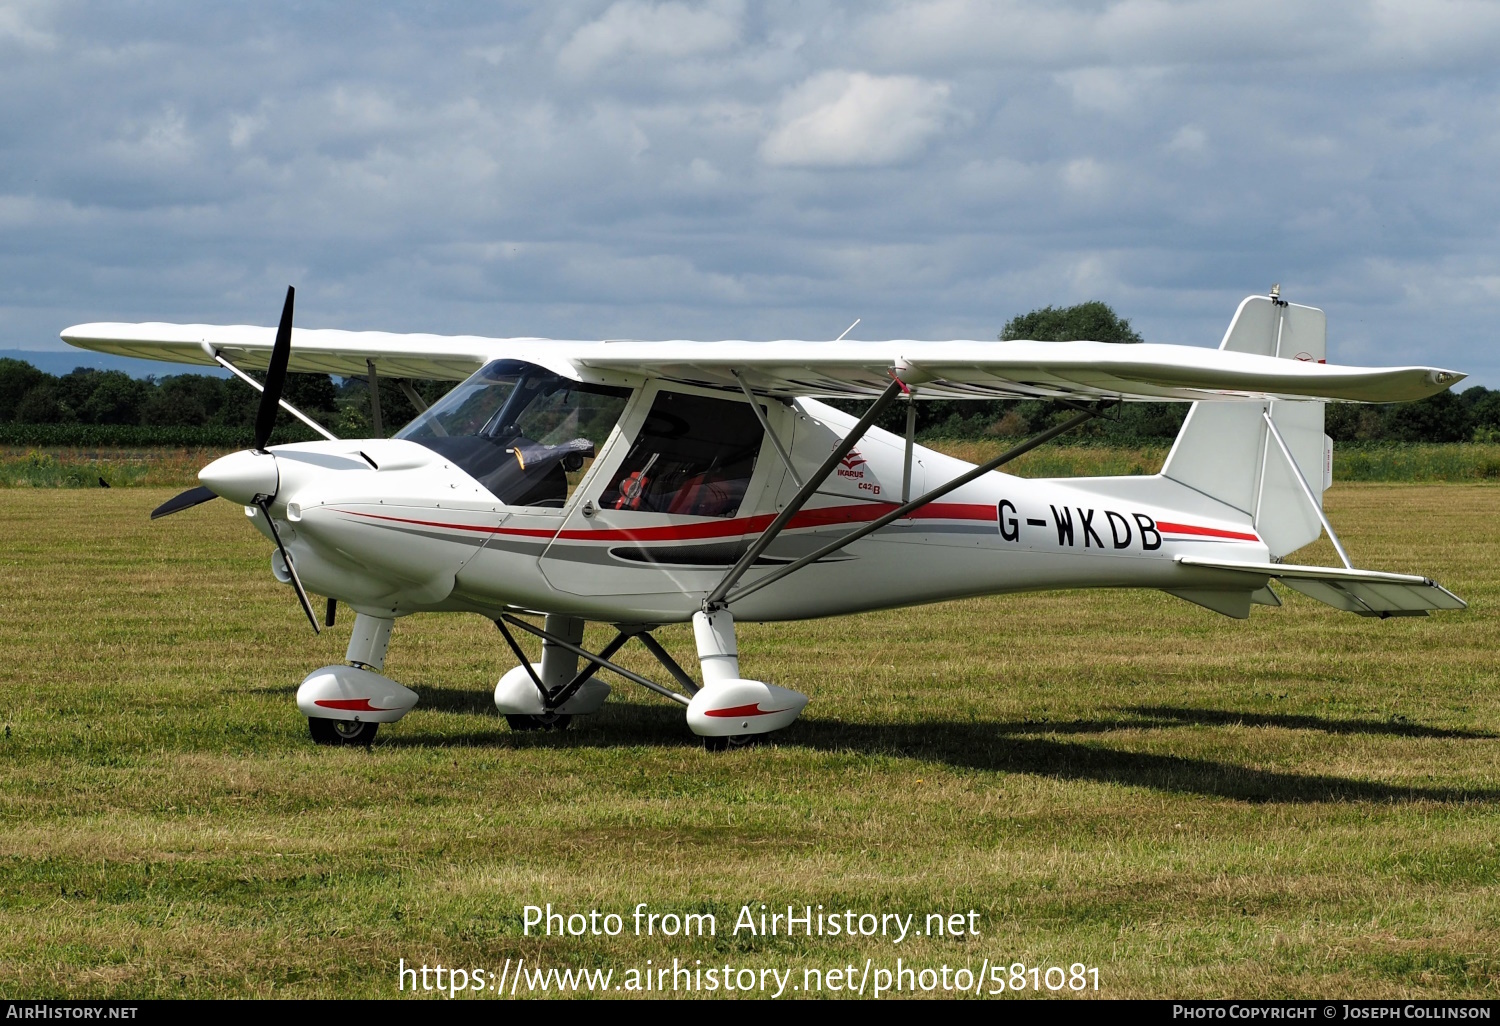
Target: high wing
{"x": 999, "y": 370}
{"x": 314, "y": 351}
{"x": 847, "y": 369}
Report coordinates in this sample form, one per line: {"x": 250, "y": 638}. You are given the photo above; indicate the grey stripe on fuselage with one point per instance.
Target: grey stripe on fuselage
{"x": 594, "y": 553}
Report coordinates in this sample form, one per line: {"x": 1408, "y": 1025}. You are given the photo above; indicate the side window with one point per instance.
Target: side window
{"x": 694, "y": 455}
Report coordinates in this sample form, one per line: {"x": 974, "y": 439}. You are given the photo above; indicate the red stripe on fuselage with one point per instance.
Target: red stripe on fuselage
{"x": 1207, "y": 532}
{"x": 807, "y": 518}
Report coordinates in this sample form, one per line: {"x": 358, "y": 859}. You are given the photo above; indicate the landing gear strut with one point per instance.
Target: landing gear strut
{"x": 345, "y": 705}
{"x": 726, "y": 711}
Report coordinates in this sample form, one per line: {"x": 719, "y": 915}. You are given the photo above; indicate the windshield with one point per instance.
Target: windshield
{"x": 525, "y": 433}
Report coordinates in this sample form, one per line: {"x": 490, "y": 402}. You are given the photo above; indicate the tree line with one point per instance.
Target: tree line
{"x": 222, "y": 408}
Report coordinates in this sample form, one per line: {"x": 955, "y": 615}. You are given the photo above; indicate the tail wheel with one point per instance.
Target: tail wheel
{"x": 546, "y": 721}
{"x": 341, "y": 732}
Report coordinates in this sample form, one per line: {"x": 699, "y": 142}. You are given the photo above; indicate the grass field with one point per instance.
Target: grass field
{"x": 1307, "y": 803}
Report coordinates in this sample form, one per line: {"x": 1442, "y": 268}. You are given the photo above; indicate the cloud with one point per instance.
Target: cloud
{"x": 722, "y": 169}
{"x": 1189, "y": 140}
{"x": 1110, "y": 90}
{"x": 18, "y": 25}
{"x": 632, "y": 28}
{"x": 1435, "y": 32}
{"x": 1085, "y": 176}
{"x": 851, "y": 119}
{"x": 1367, "y": 34}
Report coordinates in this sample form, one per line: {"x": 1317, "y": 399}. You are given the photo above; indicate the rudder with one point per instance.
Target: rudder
{"x": 1225, "y": 451}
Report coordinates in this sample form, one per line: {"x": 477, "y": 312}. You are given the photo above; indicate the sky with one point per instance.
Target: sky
{"x": 727, "y": 169}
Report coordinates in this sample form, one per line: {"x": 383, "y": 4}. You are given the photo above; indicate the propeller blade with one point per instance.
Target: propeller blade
{"x": 291, "y": 568}
{"x": 183, "y": 500}
{"x": 281, "y": 352}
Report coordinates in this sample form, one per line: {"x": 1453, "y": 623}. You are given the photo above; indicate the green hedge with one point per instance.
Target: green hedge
{"x": 136, "y": 436}
{"x": 1416, "y": 461}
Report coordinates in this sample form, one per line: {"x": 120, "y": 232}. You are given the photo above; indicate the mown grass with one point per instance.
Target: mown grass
{"x": 1306, "y": 803}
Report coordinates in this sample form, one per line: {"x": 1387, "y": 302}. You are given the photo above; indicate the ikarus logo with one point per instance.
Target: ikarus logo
{"x": 856, "y": 469}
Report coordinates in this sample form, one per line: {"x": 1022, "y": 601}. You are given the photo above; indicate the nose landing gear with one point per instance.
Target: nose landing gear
{"x": 342, "y": 732}
{"x": 345, "y": 705}
{"x": 731, "y": 742}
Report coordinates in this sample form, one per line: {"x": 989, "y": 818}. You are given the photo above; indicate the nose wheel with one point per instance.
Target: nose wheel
{"x": 730, "y": 742}
{"x": 341, "y": 732}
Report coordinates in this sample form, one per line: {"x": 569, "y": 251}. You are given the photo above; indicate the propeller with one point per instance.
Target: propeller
{"x": 184, "y": 500}
{"x": 281, "y": 353}
{"x": 265, "y": 423}
{"x": 265, "y": 414}
{"x": 264, "y": 502}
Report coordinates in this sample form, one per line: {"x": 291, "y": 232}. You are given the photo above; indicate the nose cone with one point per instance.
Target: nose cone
{"x": 242, "y": 476}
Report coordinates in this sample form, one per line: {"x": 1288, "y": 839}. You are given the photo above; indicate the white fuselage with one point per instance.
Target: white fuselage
{"x": 391, "y": 527}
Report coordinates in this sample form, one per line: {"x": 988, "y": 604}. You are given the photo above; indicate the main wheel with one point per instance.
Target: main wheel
{"x": 341, "y": 732}
{"x": 725, "y": 742}
{"x": 546, "y": 721}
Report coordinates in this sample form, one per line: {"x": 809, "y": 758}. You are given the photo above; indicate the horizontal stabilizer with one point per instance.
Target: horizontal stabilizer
{"x": 1366, "y": 592}
{"x": 1230, "y": 603}
{"x": 1235, "y": 602}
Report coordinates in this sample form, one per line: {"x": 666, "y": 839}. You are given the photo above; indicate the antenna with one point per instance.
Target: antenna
{"x": 847, "y": 330}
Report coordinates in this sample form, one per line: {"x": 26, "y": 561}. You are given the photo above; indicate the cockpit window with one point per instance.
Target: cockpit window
{"x": 695, "y": 456}
{"x": 523, "y": 432}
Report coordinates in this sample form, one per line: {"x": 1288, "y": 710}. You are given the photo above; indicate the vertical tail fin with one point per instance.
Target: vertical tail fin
{"x": 1225, "y": 451}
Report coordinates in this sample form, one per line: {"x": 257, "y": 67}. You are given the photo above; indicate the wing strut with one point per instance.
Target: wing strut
{"x": 716, "y": 597}
{"x": 1307, "y": 491}
{"x": 937, "y": 493}
{"x": 412, "y": 395}
{"x": 374, "y": 379}
{"x": 288, "y": 407}
{"x": 911, "y": 444}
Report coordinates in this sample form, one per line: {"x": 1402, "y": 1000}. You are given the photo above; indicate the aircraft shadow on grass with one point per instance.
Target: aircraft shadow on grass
{"x": 1003, "y": 746}
{"x": 1228, "y": 717}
